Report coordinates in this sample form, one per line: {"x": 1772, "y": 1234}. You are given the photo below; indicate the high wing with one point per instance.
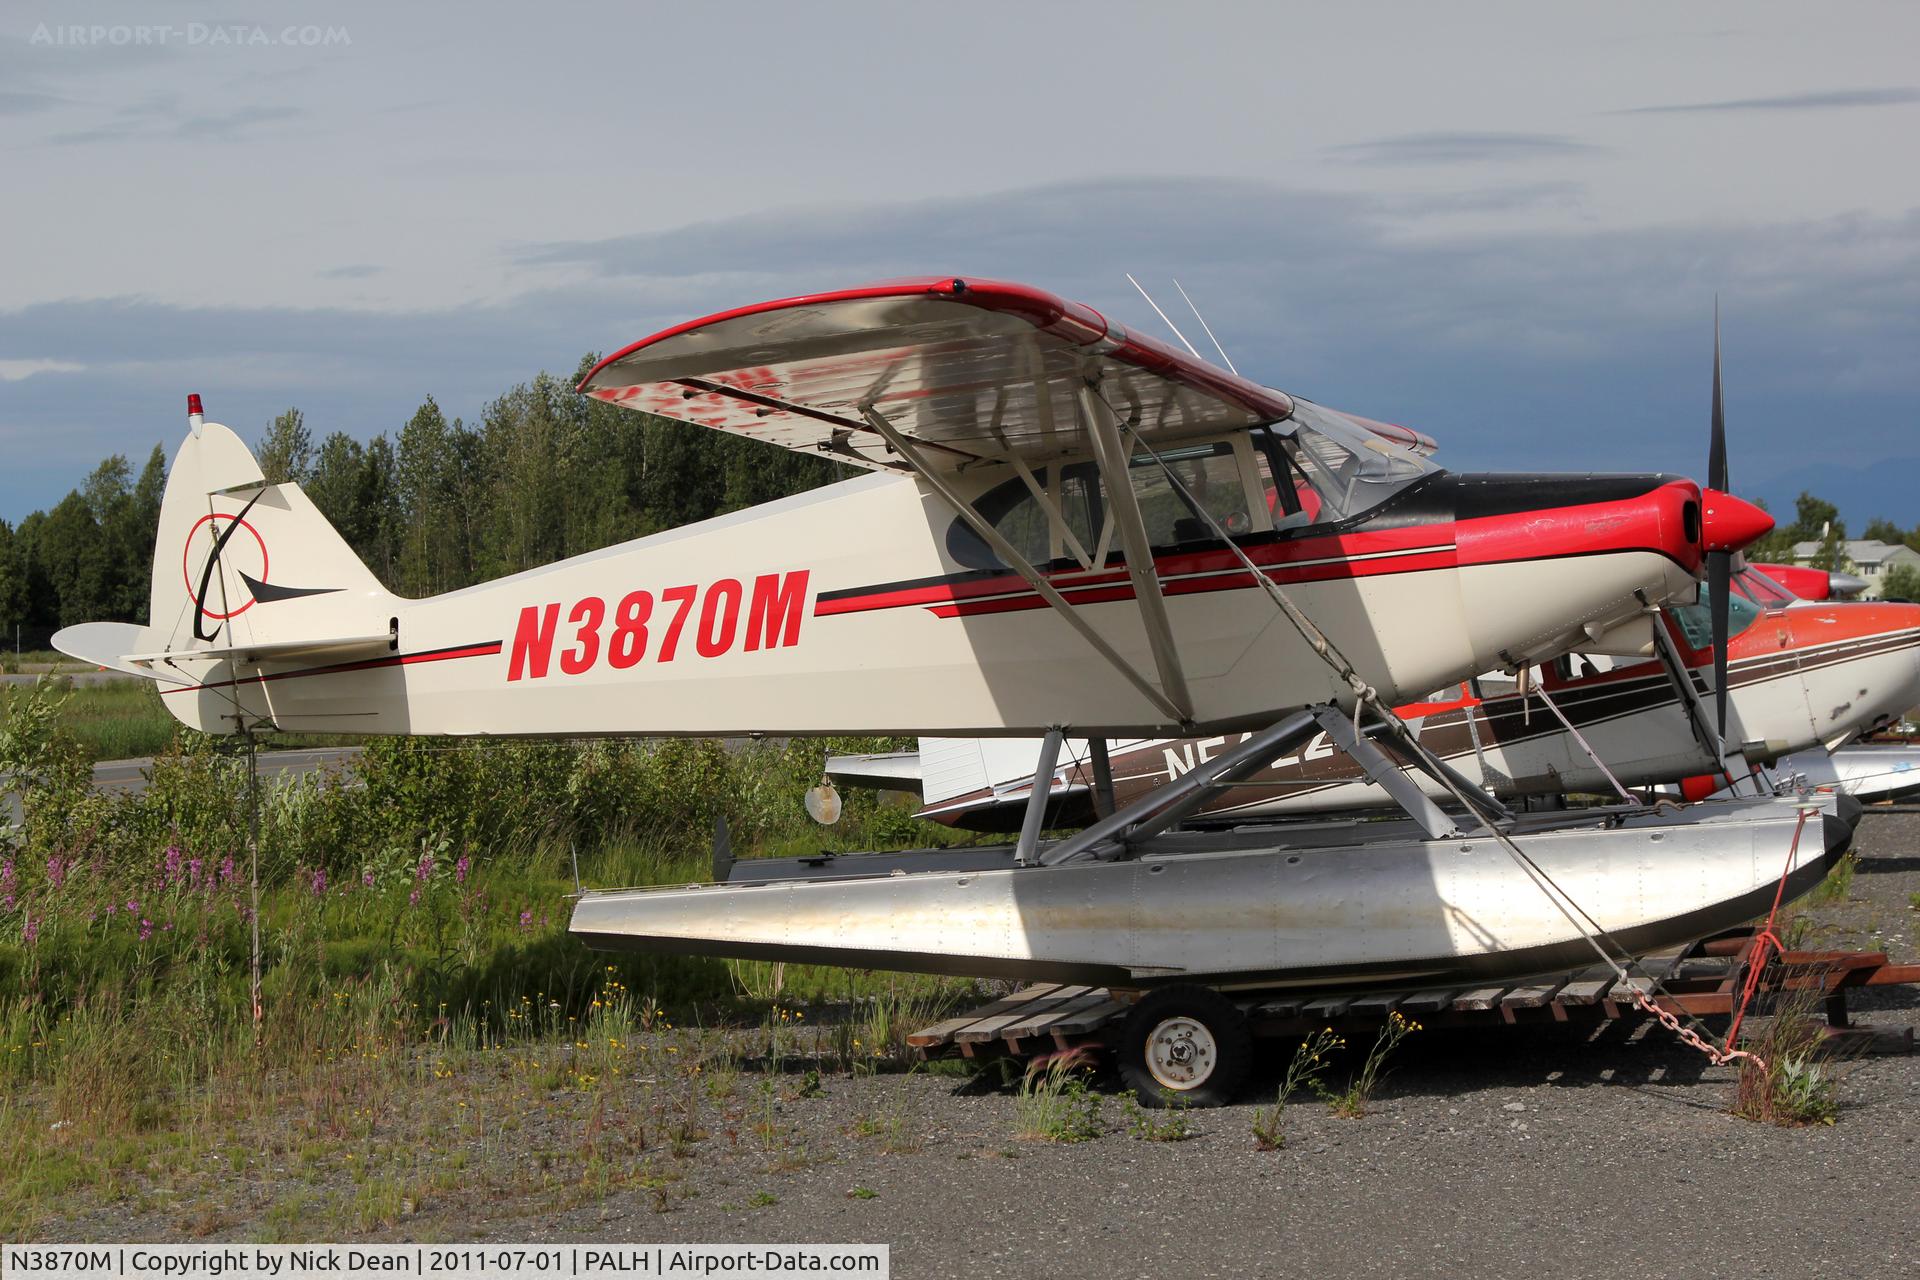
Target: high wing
{"x": 970, "y": 370}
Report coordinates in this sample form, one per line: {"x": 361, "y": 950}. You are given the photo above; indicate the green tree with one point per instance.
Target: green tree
{"x": 1883, "y": 530}
{"x": 1902, "y": 582}
{"x": 42, "y": 607}
{"x": 1815, "y": 518}
{"x": 74, "y": 561}
{"x": 337, "y": 486}
{"x": 286, "y": 450}
{"x": 427, "y": 494}
{"x": 13, "y": 585}
{"x": 381, "y": 520}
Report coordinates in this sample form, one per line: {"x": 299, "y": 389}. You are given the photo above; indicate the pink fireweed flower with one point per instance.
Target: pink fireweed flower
{"x": 319, "y": 881}
{"x": 426, "y": 868}
{"x": 413, "y": 899}
{"x": 226, "y": 869}
{"x": 29, "y": 930}
{"x": 133, "y": 908}
{"x": 194, "y": 866}
{"x": 366, "y": 879}
{"x": 460, "y": 870}
{"x": 171, "y": 861}
{"x": 146, "y": 929}
{"x": 526, "y": 919}
{"x": 56, "y": 871}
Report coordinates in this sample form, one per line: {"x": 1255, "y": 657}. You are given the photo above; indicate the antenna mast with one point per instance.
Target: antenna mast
{"x": 1163, "y": 315}
{"x": 1209, "y": 328}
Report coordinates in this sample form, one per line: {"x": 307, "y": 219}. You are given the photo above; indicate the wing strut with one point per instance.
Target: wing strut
{"x": 1038, "y": 798}
{"x": 1178, "y": 712}
{"x": 1111, "y": 456}
{"x": 1692, "y": 703}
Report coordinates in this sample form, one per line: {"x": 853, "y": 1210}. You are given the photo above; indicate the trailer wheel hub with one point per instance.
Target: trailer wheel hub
{"x": 1181, "y": 1053}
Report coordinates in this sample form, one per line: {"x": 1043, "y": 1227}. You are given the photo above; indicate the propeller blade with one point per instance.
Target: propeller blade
{"x": 1719, "y": 585}
{"x": 1717, "y": 446}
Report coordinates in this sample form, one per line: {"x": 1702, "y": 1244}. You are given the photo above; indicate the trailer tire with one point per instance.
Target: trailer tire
{"x": 1185, "y": 1046}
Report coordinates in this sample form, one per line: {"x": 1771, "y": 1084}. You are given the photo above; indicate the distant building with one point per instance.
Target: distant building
{"x": 1870, "y": 558}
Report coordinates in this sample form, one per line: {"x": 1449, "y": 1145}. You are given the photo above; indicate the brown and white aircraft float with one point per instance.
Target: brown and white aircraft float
{"x": 1065, "y": 528}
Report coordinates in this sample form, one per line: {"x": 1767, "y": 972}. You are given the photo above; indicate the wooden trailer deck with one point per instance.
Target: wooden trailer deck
{"x": 1704, "y": 979}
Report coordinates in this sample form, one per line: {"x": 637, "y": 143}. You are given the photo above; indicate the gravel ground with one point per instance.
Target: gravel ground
{"x": 1520, "y": 1151}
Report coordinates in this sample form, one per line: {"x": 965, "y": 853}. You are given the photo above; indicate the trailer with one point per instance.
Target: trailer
{"x": 1211, "y": 1029}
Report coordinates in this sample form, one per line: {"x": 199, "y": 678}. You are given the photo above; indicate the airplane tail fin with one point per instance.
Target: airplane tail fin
{"x": 246, "y": 574}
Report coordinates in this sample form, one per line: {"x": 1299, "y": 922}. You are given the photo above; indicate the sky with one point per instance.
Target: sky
{"x": 1504, "y": 224}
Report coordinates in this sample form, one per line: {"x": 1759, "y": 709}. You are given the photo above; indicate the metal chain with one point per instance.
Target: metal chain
{"x": 1718, "y": 1056}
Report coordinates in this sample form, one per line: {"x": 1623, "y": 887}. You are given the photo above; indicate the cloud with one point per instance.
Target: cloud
{"x": 16, "y": 370}
{"x": 228, "y": 125}
{"x": 1824, "y": 101}
{"x": 162, "y": 116}
{"x": 15, "y": 103}
{"x": 1585, "y": 350}
{"x": 1461, "y": 148}
{"x": 351, "y": 271}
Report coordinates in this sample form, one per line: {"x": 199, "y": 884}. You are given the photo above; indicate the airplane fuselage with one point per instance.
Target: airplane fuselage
{"x": 853, "y": 608}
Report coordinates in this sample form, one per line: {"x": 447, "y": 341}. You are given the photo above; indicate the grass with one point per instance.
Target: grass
{"x": 1799, "y": 1084}
{"x": 33, "y": 660}
{"x": 1054, "y": 1103}
{"x": 892, "y": 1124}
{"x": 425, "y": 1011}
{"x": 126, "y": 720}
{"x": 1309, "y": 1063}
{"x": 117, "y": 720}
{"x": 1169, "y": 1123}
{"x": 1352, "y": 1102}
{"x": 1838, "y": 884}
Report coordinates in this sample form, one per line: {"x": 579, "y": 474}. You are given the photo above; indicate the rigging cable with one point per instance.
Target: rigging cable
{"x": 1318, "y": 641}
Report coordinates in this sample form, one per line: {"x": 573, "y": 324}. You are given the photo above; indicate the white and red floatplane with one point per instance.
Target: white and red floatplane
{"x": 1066, "y": 528}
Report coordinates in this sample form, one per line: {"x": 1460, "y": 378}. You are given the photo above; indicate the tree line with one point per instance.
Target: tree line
{"x": 544, "y": 474}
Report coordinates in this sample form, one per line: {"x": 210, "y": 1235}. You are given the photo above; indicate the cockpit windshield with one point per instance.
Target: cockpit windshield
{"x": 1316, "y": 468}
{"x": 1696, "y": 620}
{"x": 1338, "y": 468}
{"x": 1761, "y": 589}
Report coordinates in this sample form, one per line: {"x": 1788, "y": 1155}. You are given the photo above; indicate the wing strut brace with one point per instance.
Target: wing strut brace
{"x": 1172, "y": 704}
{"x": 1111, "y": 456}
{"x": 1691, "y": 701}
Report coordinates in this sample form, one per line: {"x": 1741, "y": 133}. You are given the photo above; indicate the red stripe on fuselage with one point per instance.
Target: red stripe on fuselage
{"x": 1629, "y": 525}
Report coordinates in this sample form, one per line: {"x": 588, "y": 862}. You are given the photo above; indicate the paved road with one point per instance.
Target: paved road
{"x": 132, "y": 775}
{"x": 78, "y": 677}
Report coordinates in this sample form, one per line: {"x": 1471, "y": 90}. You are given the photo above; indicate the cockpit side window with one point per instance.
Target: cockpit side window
{"x": 1195, "y": 483}
{"x": 1314, "y": 470}
{"x": 1206, "y": 482}
{"x": 1696, "y": 620}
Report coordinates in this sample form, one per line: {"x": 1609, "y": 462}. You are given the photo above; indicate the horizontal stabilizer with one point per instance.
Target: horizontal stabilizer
{"x": 338, "y": 649}
{"x": 111, "y": 645}
{"x": 888, "y": 771}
